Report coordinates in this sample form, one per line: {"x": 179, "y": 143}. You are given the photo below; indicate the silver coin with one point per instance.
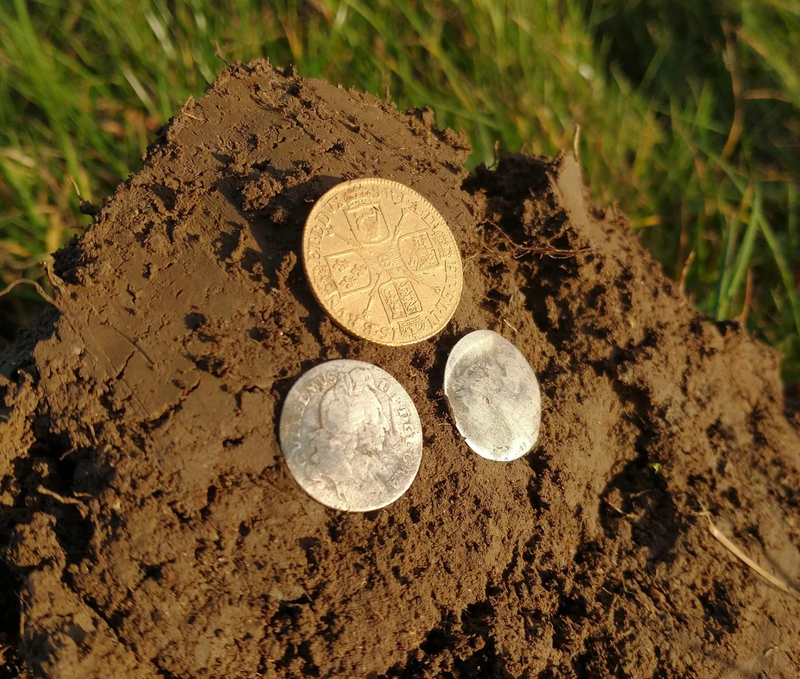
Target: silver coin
{"x": 493, "y": 395}
{"x": 351, "y": 436}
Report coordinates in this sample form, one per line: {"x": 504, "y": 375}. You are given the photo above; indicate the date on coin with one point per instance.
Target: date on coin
{"x": 493, "y": 395}
{"x": 382, "y": 262}
{"x": 351, "y": 436}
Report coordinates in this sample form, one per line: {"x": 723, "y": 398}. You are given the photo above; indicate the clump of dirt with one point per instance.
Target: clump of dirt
{"x": 151, "y": 528}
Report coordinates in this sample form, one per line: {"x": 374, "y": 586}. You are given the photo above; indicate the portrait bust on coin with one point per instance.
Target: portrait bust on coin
{"x": 382, "y": 262}
{"x": 351, "y": 435}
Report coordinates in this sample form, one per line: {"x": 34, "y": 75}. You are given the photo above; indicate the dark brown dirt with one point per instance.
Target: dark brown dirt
{"x": 150, "y": 527}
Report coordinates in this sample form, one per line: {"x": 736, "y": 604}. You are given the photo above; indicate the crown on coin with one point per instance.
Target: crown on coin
{"x": 358, "y": 197}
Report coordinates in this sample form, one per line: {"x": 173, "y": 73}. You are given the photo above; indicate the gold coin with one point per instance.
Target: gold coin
{"x": 382, "y": 261}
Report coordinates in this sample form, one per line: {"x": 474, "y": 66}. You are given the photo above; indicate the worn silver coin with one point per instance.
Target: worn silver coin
{"x": 493, "y": 395}
{"x": 351, "y": 436}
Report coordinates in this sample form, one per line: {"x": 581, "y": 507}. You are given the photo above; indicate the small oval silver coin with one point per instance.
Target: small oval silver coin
{"x": 493, "y": 395}
{"x": 351, "y": 435}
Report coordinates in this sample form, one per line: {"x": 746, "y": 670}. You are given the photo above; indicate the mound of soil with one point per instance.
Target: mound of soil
{"x": 150, "y": 527}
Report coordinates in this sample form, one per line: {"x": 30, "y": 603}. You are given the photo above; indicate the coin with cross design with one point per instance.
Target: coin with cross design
{"x": 382, "y": 262}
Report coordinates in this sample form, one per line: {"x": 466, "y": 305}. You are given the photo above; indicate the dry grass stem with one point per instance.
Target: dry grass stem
{"x": 737, "y": 126}
{"x": 510, "y": 326}
{"x": 549, "y": 251}
{"x": 61, "y": 498}
{"x": 28, "y": 281}
{"x": 685, "y": 271}
{"x": 739, "y": 554}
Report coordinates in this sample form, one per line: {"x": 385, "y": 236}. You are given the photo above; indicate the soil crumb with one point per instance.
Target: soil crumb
{"x": 150, "y": 528}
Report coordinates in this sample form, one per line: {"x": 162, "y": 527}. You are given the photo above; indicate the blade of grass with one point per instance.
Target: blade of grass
{"x": 743, "y": 257}
{"x": 724, "y": 272}
{"x": 791, "y": 202}
{"x": 783, "y": 268}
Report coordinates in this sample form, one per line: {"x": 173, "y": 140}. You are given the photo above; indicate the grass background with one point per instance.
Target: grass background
{"x": 690, "y": 113}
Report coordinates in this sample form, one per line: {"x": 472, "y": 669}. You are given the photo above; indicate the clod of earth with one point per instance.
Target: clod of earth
{"x": 151, "y": 528}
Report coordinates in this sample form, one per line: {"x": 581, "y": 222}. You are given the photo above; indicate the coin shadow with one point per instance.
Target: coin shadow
{"x": 274, "y": 203}
{"x": 443, "y": 344}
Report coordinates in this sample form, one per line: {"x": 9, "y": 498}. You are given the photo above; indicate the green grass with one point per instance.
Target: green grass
{"x": 689, "y": 112}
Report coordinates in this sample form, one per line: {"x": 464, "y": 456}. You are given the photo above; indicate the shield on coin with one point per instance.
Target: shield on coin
{"x": 399, "y": 299}
{"x": 417, "y": 251}
{"x": 367, "y": 224}
{"x": 349, "y": 272}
